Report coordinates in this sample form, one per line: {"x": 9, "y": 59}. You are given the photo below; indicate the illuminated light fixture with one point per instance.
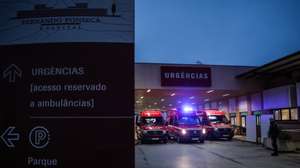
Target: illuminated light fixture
{"x": 224, "y": 95}
{"x": 141, "y": 97}
{"x": 137, "y": 101}
{"x": 179, "y": 102}
{"x": 170, "y": 105}
{"x": 174, "y": 109}
{"x": 193, "y": 103}
{"x": 192, "y": 97}
{"x": 210, "y": 91}
{"x": 149, "y": 90}
{"x": 187, "y": 109}
{"x": 173, "y": 94}
{"x": 183, "y": 131}
{"x": 206, "y": 100}
{"x": 155, "y": 103}
{"x": 203, "y": 131}
{"x": 149, "y": 105}
{"x": 162, "y": 100}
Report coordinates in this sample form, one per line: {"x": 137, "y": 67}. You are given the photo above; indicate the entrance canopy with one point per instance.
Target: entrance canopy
{"x": 174, "y": 98}
{"x": 167, "y": 86}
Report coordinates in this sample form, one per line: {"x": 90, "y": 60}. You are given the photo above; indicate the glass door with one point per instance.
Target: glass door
{"x": 243, "y": 124}
{"x": 258, "y": 129}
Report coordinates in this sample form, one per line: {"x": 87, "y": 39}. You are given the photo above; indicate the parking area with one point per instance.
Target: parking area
{"x": 211, "y": 154}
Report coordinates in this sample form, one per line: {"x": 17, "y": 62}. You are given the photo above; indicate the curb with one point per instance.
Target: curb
{"x": 241, "y": 140}
{"x": 262, "y": 145}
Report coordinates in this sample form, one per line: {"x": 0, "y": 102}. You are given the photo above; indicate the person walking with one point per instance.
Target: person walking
{"x": 273, "y": 134}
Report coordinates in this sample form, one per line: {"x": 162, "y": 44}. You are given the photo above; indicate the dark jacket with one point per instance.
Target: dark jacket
{"x": 273, "y": 130}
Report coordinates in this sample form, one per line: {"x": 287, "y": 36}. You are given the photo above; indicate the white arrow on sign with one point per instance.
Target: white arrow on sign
{"x": 12, "y": 72}
{"x": 8, "y": 137}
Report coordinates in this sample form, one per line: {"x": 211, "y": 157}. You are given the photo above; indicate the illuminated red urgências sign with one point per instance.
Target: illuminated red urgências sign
{"x": 151, "y": 113}
{"x": 185, "y": 76}
{"x": 214, "y": 112}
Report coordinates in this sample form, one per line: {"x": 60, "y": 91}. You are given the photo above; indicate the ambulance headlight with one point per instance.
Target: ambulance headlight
{"x": 183, "y": 132}
{"x": 215, "y": 129}
{"x": 203, "y": 131}
{"x": 164, "y": 131}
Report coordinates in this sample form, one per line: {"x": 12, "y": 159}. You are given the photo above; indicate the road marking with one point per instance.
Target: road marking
{"x": 219, "y": 155}
{"x": 144, "y": 156}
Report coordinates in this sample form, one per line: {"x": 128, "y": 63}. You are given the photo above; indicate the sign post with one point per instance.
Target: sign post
{"x": 67, "y": 96}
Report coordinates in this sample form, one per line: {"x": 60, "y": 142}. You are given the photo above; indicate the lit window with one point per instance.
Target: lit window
{"x": 294, "y": 114}
{"x": 285, "y": 114}
{"x": 276, "y": 115}
{"x": 243, "y": 122}
{"x": 233, "y": 120}
{"x": 257, "y": 120}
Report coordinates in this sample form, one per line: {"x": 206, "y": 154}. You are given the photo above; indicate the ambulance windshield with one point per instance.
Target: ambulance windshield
{"x": 150, "y": 121}
{"x": 189, "y": 120}
{"x": 217, "y": 119}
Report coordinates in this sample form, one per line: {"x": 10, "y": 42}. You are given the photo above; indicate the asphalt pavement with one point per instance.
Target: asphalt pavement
{"x": 211, "y": 154}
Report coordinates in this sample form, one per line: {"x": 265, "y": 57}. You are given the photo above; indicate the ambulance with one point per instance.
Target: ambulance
{"x": 184, "y": 126}
{"x": 216, "y": 123}
{"x": 151, "y": 127}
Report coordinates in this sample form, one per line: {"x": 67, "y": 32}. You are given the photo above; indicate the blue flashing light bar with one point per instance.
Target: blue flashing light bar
{"x": 187, "y": 109}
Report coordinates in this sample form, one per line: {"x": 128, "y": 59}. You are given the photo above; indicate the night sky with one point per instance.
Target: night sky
{"x": 222, "y": 32}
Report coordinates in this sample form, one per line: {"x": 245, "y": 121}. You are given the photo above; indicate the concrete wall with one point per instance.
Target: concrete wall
{"x": 256, "y": 102}
{"x": 232, "y": 105}
{"x": 214, "y": 105}
{"x": 265, "y": 124}
{"x": 223, "y": 106}
{"x": 242, "y": 104}
{"x": 251, "y": 128}
{"x": 276, "y": 98}
{"x": 206, "y": 106}
{"x": 223, "y": 77}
